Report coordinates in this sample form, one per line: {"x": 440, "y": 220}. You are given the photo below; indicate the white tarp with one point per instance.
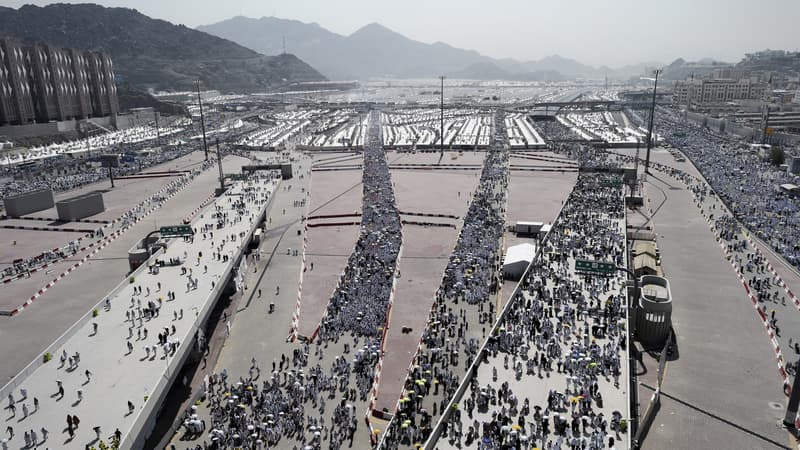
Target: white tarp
{"x": 517, "y": 258}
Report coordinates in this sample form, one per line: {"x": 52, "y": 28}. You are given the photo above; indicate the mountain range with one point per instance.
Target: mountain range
{"x": 152, "y": 53}
{"x": 375, "y": 51}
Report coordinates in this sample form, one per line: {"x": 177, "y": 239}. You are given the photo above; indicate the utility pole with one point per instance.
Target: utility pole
{"x": 158, "y": 131}
{"x": 650, "y": 126}
{"x": 441, "y": 114}
{"x": 219, "y": 164}
{"x": 202, "y": 119}
{"x": 636, "y": 165}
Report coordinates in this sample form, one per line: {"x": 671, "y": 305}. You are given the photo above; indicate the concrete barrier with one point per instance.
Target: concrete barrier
{"x": 80, "y": 206}
{"x": 29, "y": 202}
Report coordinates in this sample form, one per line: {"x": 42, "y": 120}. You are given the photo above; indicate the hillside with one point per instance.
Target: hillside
{"x": 372, "y": 51}
{"x": 376, "y": 51}
{"x": 152, "y": 53}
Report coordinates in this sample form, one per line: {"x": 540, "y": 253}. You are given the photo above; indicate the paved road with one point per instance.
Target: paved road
{"x": 723, "y": 388}
{"x": 426, "y": 251}
{"x": 255, "y": 333}
{"x": 24, "y": 336}
{"x": 499, "y": 368}
{"x": 119, "y": 375}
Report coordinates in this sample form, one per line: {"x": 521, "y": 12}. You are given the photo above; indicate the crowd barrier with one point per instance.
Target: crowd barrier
{"x": 105, "y": 241}
{"x": 470, "y": 370}
{"x": 779, "y": 359}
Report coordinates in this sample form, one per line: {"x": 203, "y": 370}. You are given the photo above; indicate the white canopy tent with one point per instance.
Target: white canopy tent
{"x": 517, "y": 259}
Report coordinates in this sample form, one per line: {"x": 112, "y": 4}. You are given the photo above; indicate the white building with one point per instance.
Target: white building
{"x": 717, "y": 91}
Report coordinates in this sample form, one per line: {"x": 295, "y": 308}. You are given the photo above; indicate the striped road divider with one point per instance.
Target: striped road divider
{"x": 762, "y": 315}
{"x": 296, "y": 315}
{"x": 90, "y": 233}
{"x": 772, "y": 270}
{"x": 102, "y": 244}
{"x": 188, "y": 219}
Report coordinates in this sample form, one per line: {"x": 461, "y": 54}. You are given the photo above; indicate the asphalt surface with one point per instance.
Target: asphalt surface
{"x": 722, "y": 388}
{"x": 24, "y": 336}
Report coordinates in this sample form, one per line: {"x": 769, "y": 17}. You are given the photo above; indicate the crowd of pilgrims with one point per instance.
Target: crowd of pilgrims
{"x": 745, "y": 180}
{"x": 301, "y": 404}
{"x": 558, "y": 322}
{"x": 64, "y": 174}
{"x": 359, "y": 303}
{"x": 560, "y": 325}
{"x": 467, "y": 288}
{"x": 71, "y": 248}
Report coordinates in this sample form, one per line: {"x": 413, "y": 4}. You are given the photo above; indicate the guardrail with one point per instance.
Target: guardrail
{"x": 430, "y": 444}
{"x": 465, "y": 381}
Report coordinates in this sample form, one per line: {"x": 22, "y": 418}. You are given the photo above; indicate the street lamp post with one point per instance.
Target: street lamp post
{"x": 441, "y": 114}
{"x": 650, "y": 126}
{"x": 202, "y": 119}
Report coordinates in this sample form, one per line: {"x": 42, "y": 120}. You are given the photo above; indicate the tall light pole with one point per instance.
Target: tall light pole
{"x": 441, "y": 114}
{"x": 650, "y": 126}
{"x": 219, "y": 164}
{"x": 202, "y": 118}
{"x": 158, "y": 132}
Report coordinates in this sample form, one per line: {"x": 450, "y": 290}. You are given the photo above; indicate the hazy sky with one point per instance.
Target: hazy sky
{"x": 611, "y": 32}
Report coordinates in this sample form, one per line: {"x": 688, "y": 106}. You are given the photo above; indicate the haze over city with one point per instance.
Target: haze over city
{"x": 630, "y": 31}
{"x": 441, "y": 225}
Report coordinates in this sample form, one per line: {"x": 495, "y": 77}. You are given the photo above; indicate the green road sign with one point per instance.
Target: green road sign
{"x": 176, "y": 230}
{"x": 611, "y": 182}
{"x": 585, "y": 265}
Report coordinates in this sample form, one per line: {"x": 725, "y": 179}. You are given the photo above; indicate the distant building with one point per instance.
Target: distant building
{"x": 42, "y": 83}
{"x": 711, "y": 91}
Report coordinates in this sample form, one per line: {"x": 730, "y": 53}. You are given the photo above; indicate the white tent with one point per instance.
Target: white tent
{"x": 518, "y": 258}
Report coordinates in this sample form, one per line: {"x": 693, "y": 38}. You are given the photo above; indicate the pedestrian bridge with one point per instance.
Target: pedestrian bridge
{"x": 144, "y": 375}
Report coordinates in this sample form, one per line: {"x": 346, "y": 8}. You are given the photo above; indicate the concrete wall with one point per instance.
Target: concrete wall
{"x": 81, "y": 206}
{"x": 19, "y": 205}
{"x": 727, "y": 126}
{"x": 51, "y": 128}
{"x": 121, "y": 122}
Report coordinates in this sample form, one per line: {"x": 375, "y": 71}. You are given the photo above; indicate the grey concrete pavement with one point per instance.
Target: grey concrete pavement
{"x": 137, "y": 373}
{"x": 25, "y": 335}
{"x": 721, "y": 344}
